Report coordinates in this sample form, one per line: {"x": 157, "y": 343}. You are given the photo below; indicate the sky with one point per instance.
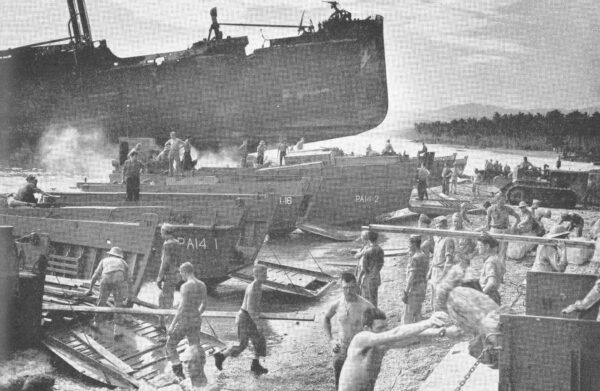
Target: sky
{"x": 522, "y": 54}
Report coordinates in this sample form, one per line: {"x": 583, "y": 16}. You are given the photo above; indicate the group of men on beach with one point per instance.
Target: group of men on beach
{"x": 362, "y": 336}
{"x": 450, "y": 174}
{"x": 362, "y": 340}
{"x": 115, "y": 279}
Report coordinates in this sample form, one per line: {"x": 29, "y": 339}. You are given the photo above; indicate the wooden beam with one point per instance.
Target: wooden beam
{"x": 148, "y": 311}
{"x": 124, "y": 378}
{"x": 101, "y": 350}
{"x": 475, "y": 235}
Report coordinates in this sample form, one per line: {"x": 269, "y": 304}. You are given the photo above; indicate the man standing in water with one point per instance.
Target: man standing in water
{"x": 187, "y": 322}
{"x": 349, "y": 309}
{"x": 246, "y": 320}
{"x": 370, "y": 263}
{"x": 368, "y": 347}
{"x": 168, "y": 275}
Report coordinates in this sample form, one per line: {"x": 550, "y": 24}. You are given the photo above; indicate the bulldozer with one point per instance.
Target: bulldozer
{"x": 554, "y": 188}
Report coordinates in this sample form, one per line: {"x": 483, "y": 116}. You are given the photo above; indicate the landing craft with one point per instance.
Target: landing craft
{"x": 327, "y": 82}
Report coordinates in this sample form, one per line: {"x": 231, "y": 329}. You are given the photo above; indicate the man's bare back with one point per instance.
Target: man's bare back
{"x": 194, "y": 291}
{"x": 368, "y": 347}
{"x": 252, "y": 298}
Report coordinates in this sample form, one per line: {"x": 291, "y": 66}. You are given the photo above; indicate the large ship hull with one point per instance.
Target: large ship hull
{"x": 318, "y": 85}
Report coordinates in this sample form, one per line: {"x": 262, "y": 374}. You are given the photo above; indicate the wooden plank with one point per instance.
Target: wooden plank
{"x": 148, "y": 311}
{"x": 328, "y": 232}
{"x": 65, "y": 258}
{"x": 52, "y": 269}
{"x": 144, "y": 351}
{"x": 132, "y": 261}
{"x": 64, "y": 265}
{"x": 475, "y": 235}
{"x": 68, "y": 354}
{"x": 101, "y": 350}
{"x": 91, "y": 262}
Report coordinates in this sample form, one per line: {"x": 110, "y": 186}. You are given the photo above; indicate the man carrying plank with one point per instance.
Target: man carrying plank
{"x": 368, "y": 347}
{"x": 187, "y": 321}
{"x": 246, "y": 321}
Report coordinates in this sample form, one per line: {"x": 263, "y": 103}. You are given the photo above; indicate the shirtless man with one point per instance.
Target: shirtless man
{"x": 349, "y": 309}
{"x": 368, "y": 347}
{"x": 369, "y": 267}
{"x": 498, "y": 222}
{"x": 247, "y": 320}
{"x": 168, "y": 276}
{"x": 187, "y": 321}
{"x": 174, "y": 146}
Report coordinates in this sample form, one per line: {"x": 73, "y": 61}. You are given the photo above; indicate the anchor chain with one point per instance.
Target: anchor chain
{"x": 472, "y": 369}
{"x": 479, "y": 359}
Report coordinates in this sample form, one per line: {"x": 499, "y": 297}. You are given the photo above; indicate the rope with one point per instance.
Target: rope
{"x": 284, "y": 271}
{"x": 211, "y": 328}
{"x": 313, "y": 258}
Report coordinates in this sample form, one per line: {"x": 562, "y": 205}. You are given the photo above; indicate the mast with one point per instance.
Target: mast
{"x": 74, "y": 21}
{"x": 85, "y": 22}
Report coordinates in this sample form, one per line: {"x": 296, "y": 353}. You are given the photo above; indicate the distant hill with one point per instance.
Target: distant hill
{"x": 476, "y": 110}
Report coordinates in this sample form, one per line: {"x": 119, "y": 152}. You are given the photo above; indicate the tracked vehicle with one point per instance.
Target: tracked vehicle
{"x": 555, "y": 188}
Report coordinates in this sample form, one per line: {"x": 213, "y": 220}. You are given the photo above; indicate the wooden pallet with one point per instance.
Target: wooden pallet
{"x": 137, "y": 358}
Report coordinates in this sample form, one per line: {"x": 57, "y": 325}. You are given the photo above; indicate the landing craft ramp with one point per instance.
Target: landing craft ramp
{"x": 289, "y": 279}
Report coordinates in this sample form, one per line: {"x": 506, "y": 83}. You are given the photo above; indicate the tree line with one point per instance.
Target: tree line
{"x": 575, "y": 132}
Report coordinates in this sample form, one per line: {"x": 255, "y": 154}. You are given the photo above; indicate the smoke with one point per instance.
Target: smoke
{"x": 226, "y": 157}
{"x": 69, "y": 151}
